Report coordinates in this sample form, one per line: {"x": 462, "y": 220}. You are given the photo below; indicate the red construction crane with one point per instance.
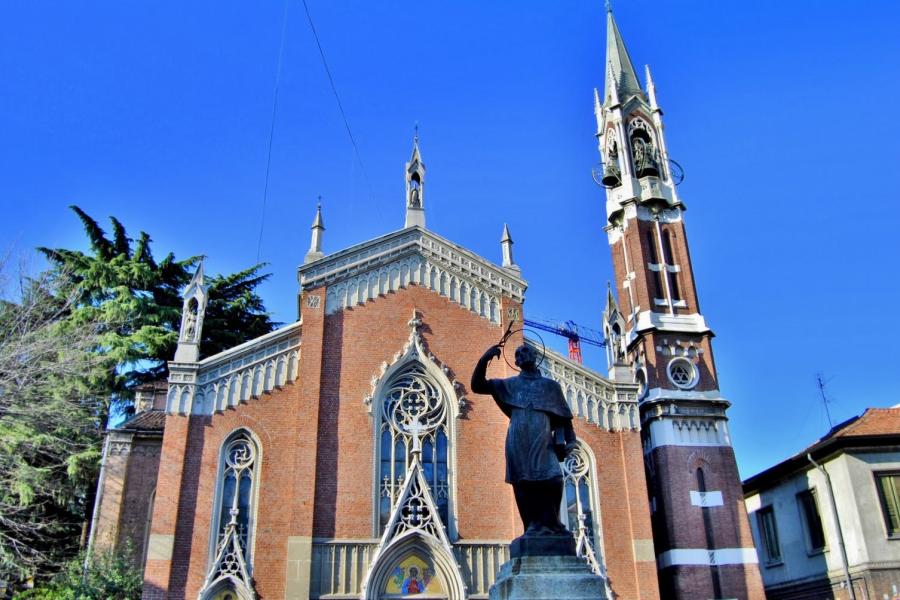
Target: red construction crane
{"x": 576, "y": 334}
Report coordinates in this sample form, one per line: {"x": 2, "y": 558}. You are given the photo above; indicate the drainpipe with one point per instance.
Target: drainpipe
{"x": 837, "y": 520}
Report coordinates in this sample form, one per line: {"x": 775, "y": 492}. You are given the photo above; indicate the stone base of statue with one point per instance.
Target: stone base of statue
{"x": 546, "y": 568}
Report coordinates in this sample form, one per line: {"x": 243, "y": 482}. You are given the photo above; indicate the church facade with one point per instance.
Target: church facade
{"x": 344, "y": 455}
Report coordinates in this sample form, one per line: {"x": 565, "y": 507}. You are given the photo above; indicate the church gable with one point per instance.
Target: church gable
{"x": 412, "y": 256}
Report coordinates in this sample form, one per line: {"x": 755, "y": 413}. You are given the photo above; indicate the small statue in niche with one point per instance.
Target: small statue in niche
{"x": 615, "y": 344}
{"x": 190, "y": 322}
{"x": 539, "y": 437}
{"x": 414, "y": 201}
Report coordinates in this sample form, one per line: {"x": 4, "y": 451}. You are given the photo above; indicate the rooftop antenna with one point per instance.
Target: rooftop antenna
{"x": 820, "y": 382}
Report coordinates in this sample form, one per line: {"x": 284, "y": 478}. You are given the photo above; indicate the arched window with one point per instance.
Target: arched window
{"x": 580, "y": 509}
{"x": 413, "y": 403}
{"x": 233, "y": 519}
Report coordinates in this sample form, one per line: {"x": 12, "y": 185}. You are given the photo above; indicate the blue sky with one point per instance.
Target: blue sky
{"x": 781, "y": 113}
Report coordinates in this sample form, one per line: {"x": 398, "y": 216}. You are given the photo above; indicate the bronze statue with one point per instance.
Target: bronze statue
{"x": 539, "y": 437}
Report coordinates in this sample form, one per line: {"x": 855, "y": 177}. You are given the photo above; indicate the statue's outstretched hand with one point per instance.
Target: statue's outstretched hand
{"x": 492, "y": 352}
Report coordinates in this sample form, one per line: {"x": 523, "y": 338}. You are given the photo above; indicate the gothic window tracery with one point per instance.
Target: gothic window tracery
{"x": 683, "y": 373}
{"x": 579, "y": 504}
{"x": 233, "y": 519}
{"x": 413, "y": 404}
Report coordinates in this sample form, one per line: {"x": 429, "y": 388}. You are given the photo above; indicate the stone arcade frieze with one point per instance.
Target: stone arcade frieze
{"x": 610, "y": 406}
{"x": 412, "y": 256}
{"x": 235, "y": 375}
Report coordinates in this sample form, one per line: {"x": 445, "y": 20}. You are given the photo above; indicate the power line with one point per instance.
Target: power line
{"x": 337, "y": 97}
{"x": 262, "y": 217}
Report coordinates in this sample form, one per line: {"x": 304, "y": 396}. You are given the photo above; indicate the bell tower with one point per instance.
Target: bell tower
{"x": 701, "y": 535}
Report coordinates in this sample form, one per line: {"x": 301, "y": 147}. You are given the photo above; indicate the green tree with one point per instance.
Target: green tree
{"x": 109, "y": 576}
{"x": 119, "y": 281}
{"x": 73, "y": 344}
{"x": 52, "y": 389}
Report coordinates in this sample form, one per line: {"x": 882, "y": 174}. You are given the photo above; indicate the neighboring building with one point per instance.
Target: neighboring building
{"x": 125, "y": 491}
{"x": 343, "y": 456}
{"x": 809, "y": 551}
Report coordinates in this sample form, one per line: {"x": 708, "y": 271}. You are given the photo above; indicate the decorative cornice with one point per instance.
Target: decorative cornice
{"x": 648, "y": 320}
{"x": 412, "y": 256}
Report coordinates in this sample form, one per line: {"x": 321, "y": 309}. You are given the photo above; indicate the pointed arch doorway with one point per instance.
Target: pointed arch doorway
{"x": 415, "y": 566}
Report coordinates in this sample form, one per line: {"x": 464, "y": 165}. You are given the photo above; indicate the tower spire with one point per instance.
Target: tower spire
{"x": 415, "y": 186}
{"x": 315, "y": 243}
{"x": 621, "y": 78}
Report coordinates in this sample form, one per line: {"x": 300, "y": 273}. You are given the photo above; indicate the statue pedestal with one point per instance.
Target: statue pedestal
{"x": 547, "y": 578}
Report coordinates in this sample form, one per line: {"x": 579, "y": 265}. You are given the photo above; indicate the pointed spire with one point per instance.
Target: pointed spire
{"x": 416, "y": 157}
{"x": 197, "y": 279}
{"x": 317, "y": 222}
{"x": 614, "y": 329}
{"x": 415, "y": 186}
{"x": 315, "y": 243}
{"x": 651, "y": 88}
{"x": 506, "y": 243}
{"x": 621, "y": 78}
{"x": 612, "y": 307}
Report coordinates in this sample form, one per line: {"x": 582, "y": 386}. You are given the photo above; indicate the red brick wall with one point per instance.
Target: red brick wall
{"x": 624, "y": 508}
{"x": 637, "y": 242}
{"x": 317, "y": 449}
{"x": 357, "y": 341}
{"x": 143, "y": 464}
{"x": 679, "y": 524}
{"x": 165, "y": 507}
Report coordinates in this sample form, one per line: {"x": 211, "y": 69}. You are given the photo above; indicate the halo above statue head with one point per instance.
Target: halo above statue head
{"x": 510, "y": 332}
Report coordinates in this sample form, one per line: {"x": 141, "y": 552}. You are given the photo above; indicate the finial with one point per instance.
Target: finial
{"x": 506, "y": 243}
{"x": 315, "y": 242}
{"x": 609, "y": 6}
{"x": 317, "y": 221}
{"x": 416, "y": 135}
{"x": 192, "y": 313}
